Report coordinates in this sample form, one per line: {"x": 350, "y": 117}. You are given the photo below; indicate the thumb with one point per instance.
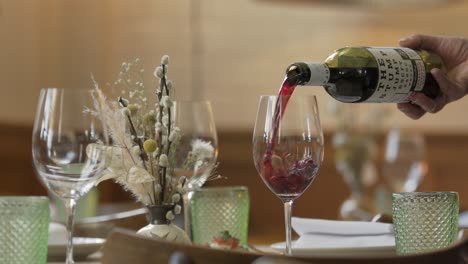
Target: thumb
{"x": 418, "y": 41}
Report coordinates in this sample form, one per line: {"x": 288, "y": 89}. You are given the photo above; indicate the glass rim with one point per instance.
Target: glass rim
{"x": 419, "y": 194}
{"x": 222, "y": 188}
{"x": 24, "y": 198}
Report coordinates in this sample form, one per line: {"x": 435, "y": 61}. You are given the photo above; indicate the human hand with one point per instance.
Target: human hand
{"x": 454, "y": 53}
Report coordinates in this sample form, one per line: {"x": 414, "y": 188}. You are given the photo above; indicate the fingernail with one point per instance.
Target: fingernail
{"x": 404, "y": 39}
{"x": 434, "y": 70}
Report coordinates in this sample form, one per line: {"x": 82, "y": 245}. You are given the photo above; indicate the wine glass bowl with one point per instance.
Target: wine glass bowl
{"x": 404, "y": 166}
{"x": 292, "y": 170}
{"x": 68, "y": 146}
{"x": 288, "y": 148}
{"x": 199, "y": 138}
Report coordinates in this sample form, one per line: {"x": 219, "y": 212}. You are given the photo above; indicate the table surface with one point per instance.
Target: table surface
{"x": 261, "y": 243}
{"x": 255, "y": 238}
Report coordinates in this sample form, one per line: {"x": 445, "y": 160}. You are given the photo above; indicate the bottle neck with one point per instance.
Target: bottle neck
{"x": 309, "y": 74}
{"x": 319, "y": 74}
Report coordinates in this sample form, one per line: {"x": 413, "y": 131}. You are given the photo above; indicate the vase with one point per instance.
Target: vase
{"x": 160, "y": 227}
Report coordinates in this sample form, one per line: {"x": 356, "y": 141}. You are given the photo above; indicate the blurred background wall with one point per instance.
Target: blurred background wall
{"x": 229, "y": 52}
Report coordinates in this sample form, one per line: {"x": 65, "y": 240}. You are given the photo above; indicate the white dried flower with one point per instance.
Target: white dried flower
{"x": 136, "y": 150}
{"x": 177, "y": 209}
{"x": 124, "y": 101}
{"x": 163, "y": 161}
{"x": 158, "y": 127}
{"x": 158, "y": 72}
{"x": 165, "y": 120}
{"x": 182, "y": 180}
{"x": 157, "y": 188}
{"x": 125, "y": 111}
{"x": 169, "y": 84}
{"x": 175, "y": 198}
{"x": 139, "y": 175}
{"x": 166, "y": 101}
{"x": 202, "y": 149}
{"x": 165, "y": 60}
{"x": 175, "y": 135}
{"x": 170, "y": 216}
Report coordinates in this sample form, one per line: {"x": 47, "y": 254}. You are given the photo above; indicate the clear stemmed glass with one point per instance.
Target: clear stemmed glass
{"x": 288, "y": 148}
{"x": 68, "y": 147}
{"x": 196, "y": 122}
{"x": 405, "y": 164}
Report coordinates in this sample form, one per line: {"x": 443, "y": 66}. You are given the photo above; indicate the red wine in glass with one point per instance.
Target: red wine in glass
{"x": 286, "y": 182}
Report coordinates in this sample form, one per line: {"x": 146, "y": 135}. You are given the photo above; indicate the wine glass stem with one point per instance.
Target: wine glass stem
{"x": 70, "y": 214}
{"x": 287, "y": 220}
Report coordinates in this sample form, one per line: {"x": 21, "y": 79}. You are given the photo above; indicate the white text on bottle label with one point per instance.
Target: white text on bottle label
{"x": 401, "y": 71}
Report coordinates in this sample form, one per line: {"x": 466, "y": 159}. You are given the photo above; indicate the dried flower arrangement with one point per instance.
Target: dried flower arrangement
{"x": 145, "y": 140}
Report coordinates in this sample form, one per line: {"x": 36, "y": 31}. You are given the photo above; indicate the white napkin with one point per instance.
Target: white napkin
{"x": 57, "y": 234}
{"x": 317, "y": 233}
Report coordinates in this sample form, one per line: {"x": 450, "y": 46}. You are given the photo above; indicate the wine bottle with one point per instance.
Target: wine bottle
{"x": 370, "y": 74}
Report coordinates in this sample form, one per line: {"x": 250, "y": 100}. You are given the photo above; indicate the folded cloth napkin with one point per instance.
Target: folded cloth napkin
{"x": 318, "y": 233}
{"x": 57, "y": 234}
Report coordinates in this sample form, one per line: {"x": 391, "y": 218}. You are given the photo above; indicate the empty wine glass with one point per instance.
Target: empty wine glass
{"x": 197, "y": 152}
{"x": 288, "y": 148}
{"x": 68, "y": 147}
{"x": 405, "y": 164}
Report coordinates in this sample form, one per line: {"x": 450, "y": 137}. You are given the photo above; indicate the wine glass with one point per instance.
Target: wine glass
{"x": 195, "y": 120}
{"x": 288, "y": 148}
{"x": 68, "y": 147}
{"x": 405, "y": 164}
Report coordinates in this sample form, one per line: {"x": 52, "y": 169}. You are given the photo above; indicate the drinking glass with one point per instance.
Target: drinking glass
{"x": 196, "y": 121}
{"x": 424, "y": 221}
{"x": 288, "y": 148}
{"x": 24, "y": 225}
{"x": 68, "y": 147}
{"x": 216, "y": 210}
{"x": 405, "y": 164}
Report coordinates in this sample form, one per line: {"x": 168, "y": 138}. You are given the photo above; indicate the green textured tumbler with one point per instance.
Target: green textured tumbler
{"x": 218, "y": 210}
{"x": 424, "y": 221}
{"x": 24, "y": 229}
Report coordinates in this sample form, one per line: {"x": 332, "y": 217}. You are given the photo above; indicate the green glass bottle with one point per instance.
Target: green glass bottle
{"x": 371, "y": 74}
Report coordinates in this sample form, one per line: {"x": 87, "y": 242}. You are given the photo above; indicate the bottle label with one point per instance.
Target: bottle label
{"x": 319, "y": 74}
{"x": 401, "y": 71}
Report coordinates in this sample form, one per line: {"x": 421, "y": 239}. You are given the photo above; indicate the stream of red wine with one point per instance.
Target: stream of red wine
{"x": 292, "y": 181}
